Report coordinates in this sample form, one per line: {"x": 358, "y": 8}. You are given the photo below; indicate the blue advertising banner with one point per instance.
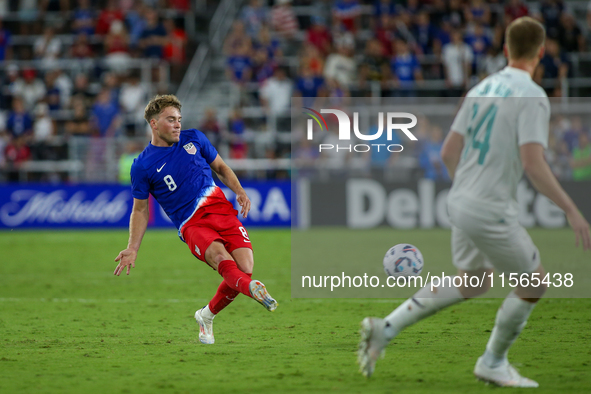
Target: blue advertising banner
{"x": 109, "y": 206}
{"x": 270, "y": 203}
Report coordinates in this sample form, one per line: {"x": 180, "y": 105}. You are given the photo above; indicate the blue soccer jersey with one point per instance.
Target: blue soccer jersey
{"x": 179, "y": 177}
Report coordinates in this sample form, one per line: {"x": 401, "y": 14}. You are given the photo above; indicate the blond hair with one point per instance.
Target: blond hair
{"x": 159, "y": 103}
{"x": 524, "y": 37}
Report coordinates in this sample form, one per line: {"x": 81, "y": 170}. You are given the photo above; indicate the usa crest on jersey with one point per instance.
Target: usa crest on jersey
{"x": 190, "y": 148}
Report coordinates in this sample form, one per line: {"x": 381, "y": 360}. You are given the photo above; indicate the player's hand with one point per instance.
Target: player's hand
{"x": 581, "y": 229}
{"x": 126, "y": 258}
{"x": 244, "y": 203}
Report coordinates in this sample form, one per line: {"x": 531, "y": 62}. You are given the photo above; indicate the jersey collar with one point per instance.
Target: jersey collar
{"x": 517, "y": 71}
{"x": 152, "y": 146}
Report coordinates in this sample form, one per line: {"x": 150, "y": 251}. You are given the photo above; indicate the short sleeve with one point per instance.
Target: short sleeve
{"x": 208, "y": 151}
{"x": 533, "y": 121}
{"x": 140, "y": 185}
{"x": 460, "y": 123}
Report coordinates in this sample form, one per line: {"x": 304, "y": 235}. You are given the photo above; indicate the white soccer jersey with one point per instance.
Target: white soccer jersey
{"x": 501, "y": 113}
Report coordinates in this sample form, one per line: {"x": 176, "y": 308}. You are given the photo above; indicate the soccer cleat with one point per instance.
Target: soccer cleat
{"x": 372, "y": 344}
{"x": 205, "y": 328}
{"x": 260, "y": 294}
{"x": 505, "y": 375}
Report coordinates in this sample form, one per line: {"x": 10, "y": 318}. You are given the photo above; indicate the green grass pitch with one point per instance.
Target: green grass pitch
{"x": 67, "y": 325}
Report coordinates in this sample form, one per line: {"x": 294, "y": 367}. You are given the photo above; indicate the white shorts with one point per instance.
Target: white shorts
{"x": 478, "y": 243}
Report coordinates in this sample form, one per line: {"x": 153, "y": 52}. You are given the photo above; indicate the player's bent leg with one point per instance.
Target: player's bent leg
{"x": 536, "y": 289}
{"x": 244, "y": 259}
{"x": 376, "y": 333}
{"x": 223, "y": 296}
{"x": 216, "y": 253}
{"x": 218, "y": 257}
{"x": 426, "y": 302}
{"x": 493, "y": 366}
{"x": 481, "y": 285}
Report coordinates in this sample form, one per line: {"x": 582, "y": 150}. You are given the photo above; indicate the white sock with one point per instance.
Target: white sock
{"x": 423, "y": 304}
{"x": 207, "y": 313}
{"x": 511, "y": 318}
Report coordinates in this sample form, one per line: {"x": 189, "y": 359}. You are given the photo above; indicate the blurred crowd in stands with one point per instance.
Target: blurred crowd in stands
{"x": 400, "y": 46}
{"x": 67, "y": 70}
{"x": 339, "y": 49}
{"x": 409, "y": 41}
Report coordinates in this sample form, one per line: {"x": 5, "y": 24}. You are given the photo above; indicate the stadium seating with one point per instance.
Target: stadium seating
{"x": 231, "y": 51}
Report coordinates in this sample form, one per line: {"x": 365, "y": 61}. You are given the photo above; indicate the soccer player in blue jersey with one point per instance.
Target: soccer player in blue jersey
{"x": 176, "y": 169}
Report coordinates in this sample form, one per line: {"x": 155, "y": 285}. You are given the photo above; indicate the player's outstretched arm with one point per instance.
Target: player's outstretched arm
{"x": 138, "y": 223}
{"x": 229, "y": 178}
{"x": 539, "y": 173}
{"x": 451, "y": 151}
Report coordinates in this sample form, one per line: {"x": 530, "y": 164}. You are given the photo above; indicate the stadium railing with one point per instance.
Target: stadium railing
{"x": 84, "y": 65}
{"x": 97, "y": 160}
{"x": 201, "y": 61}
{"x": 70, "y": 167}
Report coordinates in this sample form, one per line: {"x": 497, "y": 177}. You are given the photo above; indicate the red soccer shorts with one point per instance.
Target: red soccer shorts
{"x": 205, "y": 228}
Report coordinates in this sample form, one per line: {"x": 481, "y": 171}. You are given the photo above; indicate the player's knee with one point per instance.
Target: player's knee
{"x": 473, "y": 285}
{"x": 538, "y": 291}
{"x": 245, "y": 263}
{"x": 471, "y": 292}
{"x": 216, "y": 253}
{"x": 531, "y": 294}
{"x": 535, "y": 289}
{"x": 244, "y": 259}
{"x": 220, "y": 256}
{"x": 482, "y": 289}
{"x": 247, "y": 266}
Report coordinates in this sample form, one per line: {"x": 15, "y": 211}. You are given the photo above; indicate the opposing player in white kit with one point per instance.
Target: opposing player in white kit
{"x": 499, "y": 133}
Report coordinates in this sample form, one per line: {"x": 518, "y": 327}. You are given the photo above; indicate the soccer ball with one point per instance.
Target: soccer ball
{"x": 403, "y": 260}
